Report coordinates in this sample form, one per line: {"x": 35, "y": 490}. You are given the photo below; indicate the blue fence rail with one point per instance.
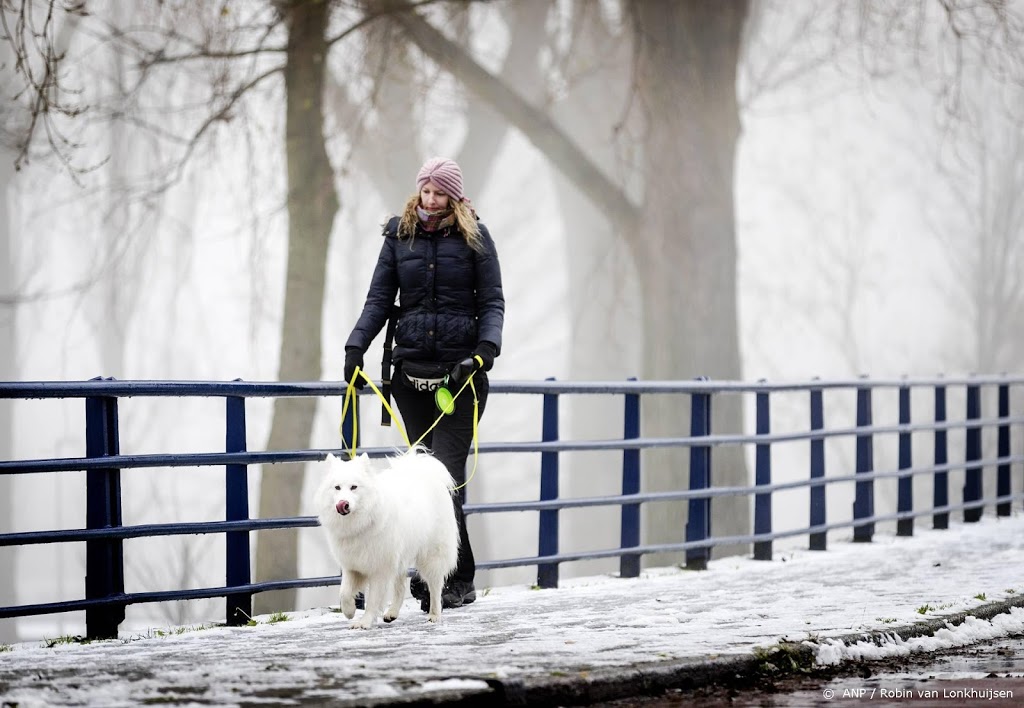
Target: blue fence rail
{"x": 105, "y": 597}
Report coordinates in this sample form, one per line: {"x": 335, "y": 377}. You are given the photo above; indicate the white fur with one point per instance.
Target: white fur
{"x": 398, "y": 516}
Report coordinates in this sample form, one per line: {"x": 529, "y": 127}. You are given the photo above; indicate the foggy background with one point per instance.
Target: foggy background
{"x": 772, "y": 190}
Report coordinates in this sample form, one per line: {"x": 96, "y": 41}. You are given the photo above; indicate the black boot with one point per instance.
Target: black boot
{"x": 420, "y": 591}
{"x": 457, "y": 594}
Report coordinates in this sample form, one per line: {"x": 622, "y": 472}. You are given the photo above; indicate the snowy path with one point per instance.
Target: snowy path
{"x": 600, "y": 626}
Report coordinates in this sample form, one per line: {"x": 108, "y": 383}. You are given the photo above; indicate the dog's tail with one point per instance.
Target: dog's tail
{"x": 418, "y": 449}
{"x": 421, "y": 450}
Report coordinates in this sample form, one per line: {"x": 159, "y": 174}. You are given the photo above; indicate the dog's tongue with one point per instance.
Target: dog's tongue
{"x": 342, "y": 507}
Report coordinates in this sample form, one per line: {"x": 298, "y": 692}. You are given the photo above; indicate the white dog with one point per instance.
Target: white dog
{"x": 381, "y": 522}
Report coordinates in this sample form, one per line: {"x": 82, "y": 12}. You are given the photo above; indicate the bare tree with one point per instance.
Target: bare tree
{"x": 312, "y": 205}
{"x": 672, "y": 208}
{"x": 680, "y": 233}
{"x": 312, "y": 201}
{"x": 981, "y": 239}
{"x": 20, "y": 114}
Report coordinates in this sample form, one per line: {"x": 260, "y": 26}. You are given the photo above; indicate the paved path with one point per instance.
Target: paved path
{"x": 591, "y": 639}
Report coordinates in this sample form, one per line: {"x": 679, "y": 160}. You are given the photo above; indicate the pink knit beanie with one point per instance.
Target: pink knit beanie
{"x": 445, "y": 174}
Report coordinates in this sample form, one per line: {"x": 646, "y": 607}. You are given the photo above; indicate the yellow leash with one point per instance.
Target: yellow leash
{"x": 350, "y": 394}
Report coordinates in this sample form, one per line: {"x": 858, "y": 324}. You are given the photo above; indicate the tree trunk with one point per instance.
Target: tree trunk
{"x": 682, "y": 240}
{"x": 686, "y": 248}
{"x": 312, "y": 205}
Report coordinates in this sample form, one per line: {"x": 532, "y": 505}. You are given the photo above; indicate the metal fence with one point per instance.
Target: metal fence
{"x": 105, "y": 597}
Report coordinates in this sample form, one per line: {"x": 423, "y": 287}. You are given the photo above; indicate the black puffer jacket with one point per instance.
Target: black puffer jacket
{"x": 450, "y": 296}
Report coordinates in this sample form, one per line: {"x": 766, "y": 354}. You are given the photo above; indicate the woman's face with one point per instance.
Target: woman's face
{"x": 433, "y": 198}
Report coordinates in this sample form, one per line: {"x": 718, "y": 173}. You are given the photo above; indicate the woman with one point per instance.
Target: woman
{"x": 442, "y": 264}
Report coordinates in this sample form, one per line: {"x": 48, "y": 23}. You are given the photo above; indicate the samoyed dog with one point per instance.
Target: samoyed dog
{"x": 379, "y": 522}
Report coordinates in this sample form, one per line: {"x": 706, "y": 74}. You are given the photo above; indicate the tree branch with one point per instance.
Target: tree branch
{"x": 535, "y": 124}
{"x": 38, "y": 53}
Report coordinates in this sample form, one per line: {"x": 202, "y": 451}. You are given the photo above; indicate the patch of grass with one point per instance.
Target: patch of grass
{"x": 885, "y": 620}
{"x": 5, "y": 647}
{"x": 1010, "y": 591}
{"x": 924, "y": 609}
{"x": 784, "y": 658}
{"x": 160, "y": 633}
{"x": 274, "y": 618}
{"x": 252, "y": 622}
{"x": 66, "y": 639}
{"x": 980, "y": 596}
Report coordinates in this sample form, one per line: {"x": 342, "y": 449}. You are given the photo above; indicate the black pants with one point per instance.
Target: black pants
{"x": 450, "y": 441}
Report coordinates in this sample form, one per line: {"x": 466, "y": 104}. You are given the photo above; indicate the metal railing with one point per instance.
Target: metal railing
{"x": 105, "y": 597}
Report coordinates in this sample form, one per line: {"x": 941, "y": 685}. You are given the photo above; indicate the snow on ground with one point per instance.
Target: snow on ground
{"x": 971, "y": 631}
{"x": 597, "y": 624}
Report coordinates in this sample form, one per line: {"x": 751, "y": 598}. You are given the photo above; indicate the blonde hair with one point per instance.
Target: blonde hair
{"x": 465, "y": 219}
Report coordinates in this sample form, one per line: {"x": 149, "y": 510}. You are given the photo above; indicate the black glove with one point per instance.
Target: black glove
{"x": 353, "y": 359}
{"x": 483, "y": 358}
{"x": 461, "y": 370}
{"x": 486, "y": 351}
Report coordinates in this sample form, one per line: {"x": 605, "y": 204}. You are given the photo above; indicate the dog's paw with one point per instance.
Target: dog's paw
{"x": 389, "y": 618}
{"x": 348, "y": 607}
{"x": 364, "y": 622}
{"x": 431, "y": 617}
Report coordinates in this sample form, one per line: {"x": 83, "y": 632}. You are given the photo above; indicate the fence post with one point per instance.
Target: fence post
{"x": 762, "y": 477}
{"x": 905, "y": 490}
{"x": 629, "y": 566}
{"x": 972, "y": 476}
{"x": 864, "y": 495}
{"x": 940, "y": 494}
{"x": 236, "y": 481}
{"x": 547, "y": 573}
{"x": 818, "y": 540}
{"x": 104, "y": 558}
{"x": 1003, "y": 488}
{"x": 698, "y": 520}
